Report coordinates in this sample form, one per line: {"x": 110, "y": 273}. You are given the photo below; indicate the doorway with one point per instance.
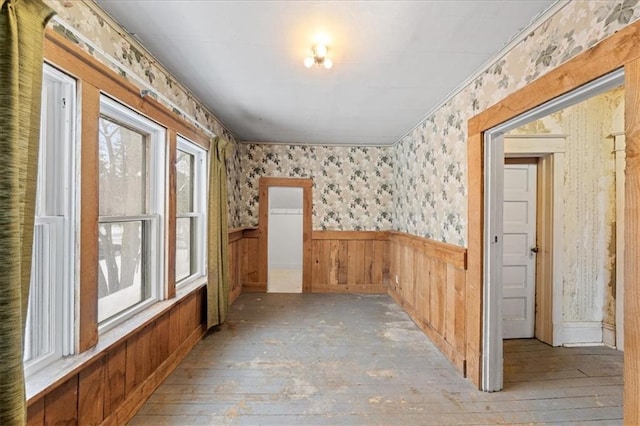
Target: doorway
{"x": 286, "y": 192}
{"x": 285, "y": 240}
{"x": 496, "y": 240}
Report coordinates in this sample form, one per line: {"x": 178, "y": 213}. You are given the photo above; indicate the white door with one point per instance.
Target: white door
{"x": 519, "y": 257}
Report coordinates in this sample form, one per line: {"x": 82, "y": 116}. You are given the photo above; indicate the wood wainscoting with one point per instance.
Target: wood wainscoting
{"x": 243, "y": 262}
{"x": 114, "y": 383}
{"x": 428, "y": 280}
{"x": 350, "y": 262}
{"x": 342, "y": 262}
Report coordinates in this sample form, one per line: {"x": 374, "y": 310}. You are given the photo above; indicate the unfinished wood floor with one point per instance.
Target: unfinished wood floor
{"x": 290, "y": 359}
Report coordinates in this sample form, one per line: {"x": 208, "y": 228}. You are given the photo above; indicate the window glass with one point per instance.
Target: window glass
{"x": 184, "y": 180}
{"x": 190, "y": 211}
{"x": 131, "y": 197}
{"x": 184, "y": 248}
{"x": 123, "y": 171}
{"x": 122, "y": 283}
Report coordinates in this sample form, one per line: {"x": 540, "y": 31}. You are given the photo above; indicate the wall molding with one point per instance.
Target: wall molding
{"x": 582, "y": 333}
{"x": 450, "y": 253}
{"x": 609, "y": 335}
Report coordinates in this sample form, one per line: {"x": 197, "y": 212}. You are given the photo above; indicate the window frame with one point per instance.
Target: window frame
{"x": 153, "y": 238}
{"x": 199, "y": 210}
{"x": 57, "y": 212}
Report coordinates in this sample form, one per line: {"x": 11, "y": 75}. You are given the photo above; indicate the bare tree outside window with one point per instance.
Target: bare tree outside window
{"x": 184, "y": 225}
{"x": 191, "y": 188}
{"x": 123, "y": 194}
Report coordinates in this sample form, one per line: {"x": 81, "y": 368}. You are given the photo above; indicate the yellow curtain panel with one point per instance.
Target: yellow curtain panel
{"x": 22, "y": 25}
{"x": 218, "y": 239}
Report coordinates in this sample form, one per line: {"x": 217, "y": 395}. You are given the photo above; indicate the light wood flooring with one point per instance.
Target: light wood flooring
{"x": 283, "y": 280}
{"x": 318, "y": 359}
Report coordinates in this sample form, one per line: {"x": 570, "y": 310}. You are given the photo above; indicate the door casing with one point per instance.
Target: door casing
{"x": 263, "y": 227}
{"x": 493, "y": 171}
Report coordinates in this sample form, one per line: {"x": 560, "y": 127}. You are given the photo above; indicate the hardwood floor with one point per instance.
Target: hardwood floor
{"x": 334, "y": 359}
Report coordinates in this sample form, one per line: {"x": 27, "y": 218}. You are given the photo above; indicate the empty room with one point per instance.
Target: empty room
{"x": 320, "y": 212}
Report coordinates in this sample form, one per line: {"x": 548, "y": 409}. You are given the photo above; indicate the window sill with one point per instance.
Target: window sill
{"x": 61, "y": 370}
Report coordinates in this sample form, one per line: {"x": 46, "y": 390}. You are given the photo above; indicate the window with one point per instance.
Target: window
{"x": 49, "y": 332}
{"x": 191, "y": 190}
{"x": 131, "y": 210}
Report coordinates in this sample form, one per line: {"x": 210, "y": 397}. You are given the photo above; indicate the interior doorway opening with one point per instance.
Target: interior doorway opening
{"x": 285, "y": 240}
{"x": 281, "y": 246}
{"x": 561, "y": 318}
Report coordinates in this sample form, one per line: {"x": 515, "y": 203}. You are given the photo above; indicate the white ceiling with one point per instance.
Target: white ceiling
{"x": 393, "y": 60}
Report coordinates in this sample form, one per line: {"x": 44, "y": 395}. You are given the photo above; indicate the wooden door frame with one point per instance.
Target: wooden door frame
{"x": 263, "y": 227}
{"x": 492, "y": 343}
{"x": 622, "y": 49}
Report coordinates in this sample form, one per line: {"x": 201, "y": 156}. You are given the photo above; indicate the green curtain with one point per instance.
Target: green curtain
{"x": 22, "y": 25}
{"x": 218, "y": 245}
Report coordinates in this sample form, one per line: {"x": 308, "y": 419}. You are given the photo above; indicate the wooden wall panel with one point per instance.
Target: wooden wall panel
{"x": 349, "y": 262}
{"x": 249, "y": 268}
{"x": 632, "y": 249}
{"x": 116, "y": 360}
{"x": 88, "y": 304}
{"x": 91, "y": 393}
{"x": 235, "y": 286}
{"x": 113, "y": 385}
{"x": 162, "y": 336}
{"x": 35, "y": 413}
{"x": 61, "y": 404}
{"x": 428, "y": 281}
{"x": 342, "y": 262}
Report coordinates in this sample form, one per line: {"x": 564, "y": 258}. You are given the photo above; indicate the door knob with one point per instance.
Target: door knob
{"x": 534, "y": 249}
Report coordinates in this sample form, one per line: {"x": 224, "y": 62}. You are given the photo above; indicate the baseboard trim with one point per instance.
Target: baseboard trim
{"x": 582, "y": 333}
{"x": 609, "y": 334}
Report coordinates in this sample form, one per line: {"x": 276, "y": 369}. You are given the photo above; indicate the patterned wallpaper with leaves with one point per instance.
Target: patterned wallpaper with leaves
{"x": 351, "y": 185}
{"x": 419, "y": 185}
{"x": 430, "y": 176}
{"x": 83, "y": 23}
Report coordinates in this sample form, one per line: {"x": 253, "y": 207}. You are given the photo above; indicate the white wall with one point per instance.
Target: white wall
{"x": 285, "y": 228}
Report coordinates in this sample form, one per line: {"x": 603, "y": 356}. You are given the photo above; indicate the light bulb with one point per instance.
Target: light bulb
{"x": 308, "y": 62}
{"x": 321, "y": 50}
{"x": 328, "y": 63}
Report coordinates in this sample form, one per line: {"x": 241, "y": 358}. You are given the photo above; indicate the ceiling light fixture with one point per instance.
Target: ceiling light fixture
{"x": 319, "y": 57}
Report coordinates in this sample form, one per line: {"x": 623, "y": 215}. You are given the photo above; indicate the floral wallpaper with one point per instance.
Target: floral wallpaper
{"x": 418, "y": 185}
{"x": 86, "y": 25}
{"x": 352, "y": 186}
{"x": 234, "y": 173}
{"x": 430, "y": 176}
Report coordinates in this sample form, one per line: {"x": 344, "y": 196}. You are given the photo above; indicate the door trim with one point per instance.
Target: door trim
{"x": 621, "y": 49}
{"x": 491, "y": 368}
{"x": 263, "y": 227}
